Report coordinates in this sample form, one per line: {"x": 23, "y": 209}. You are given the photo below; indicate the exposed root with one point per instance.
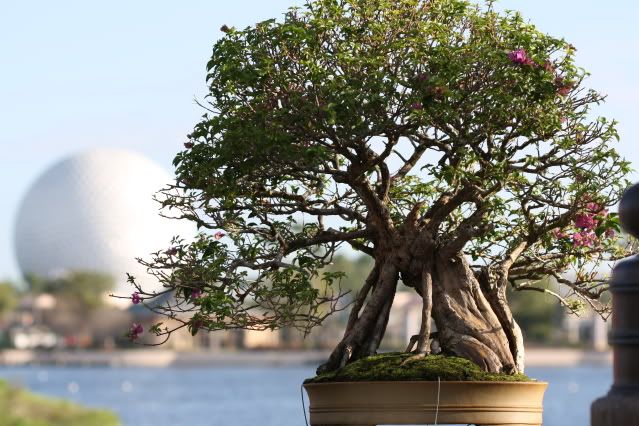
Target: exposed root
{"x": 411, "y": 343}
{"x": 415, "y": 338}
{"x": 413, "y": 358}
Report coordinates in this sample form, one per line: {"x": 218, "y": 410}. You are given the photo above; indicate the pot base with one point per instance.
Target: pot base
{"x": 383, "y": 403}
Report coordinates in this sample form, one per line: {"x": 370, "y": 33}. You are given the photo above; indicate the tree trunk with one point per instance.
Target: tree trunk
{"x": 494, "y": 288}
{"x": 366, "y": 330}
{"x": 466, "y": 322}
{"x": 473, "y": 320}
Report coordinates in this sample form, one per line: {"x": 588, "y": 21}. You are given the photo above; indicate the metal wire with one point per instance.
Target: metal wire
{"x": 437, "y": 408}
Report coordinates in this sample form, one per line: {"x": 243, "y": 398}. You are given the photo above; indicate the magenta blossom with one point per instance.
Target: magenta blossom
{"x": 610, "y": 233}
{"x": 135, "y": 298}
{"x": 564, "y": 90}
{"x": 593, "y": 207}
{"x": 549, "y": 67}
{"x": 172, "y": 251}
{"x": 196, "y": 294}
{"x": 520, "y": 57}
{"x": 583, "y": 239}
{"x": 585, "y": 221}
{"x": 597, "y": 209}
{"x": 135, "y": 330}
{"x": 417, "y": 106}
{"x": 557, "y": 233}
{"x": 218, "y": 235}
{"x": 563, "y": 87}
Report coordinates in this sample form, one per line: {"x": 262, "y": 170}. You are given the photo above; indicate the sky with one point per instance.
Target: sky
{"x": 76, "y": 75}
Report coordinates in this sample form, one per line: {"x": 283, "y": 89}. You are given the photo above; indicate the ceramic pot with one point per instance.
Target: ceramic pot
{"x": 397, "y": 403}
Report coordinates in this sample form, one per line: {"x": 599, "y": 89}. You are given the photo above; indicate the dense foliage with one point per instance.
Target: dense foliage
{"x": 415, "y": 131}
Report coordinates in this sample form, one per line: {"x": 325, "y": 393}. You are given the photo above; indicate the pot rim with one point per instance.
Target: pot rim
{"x": 456, "y": 382}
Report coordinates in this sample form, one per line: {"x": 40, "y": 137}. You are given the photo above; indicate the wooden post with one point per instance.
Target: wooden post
{"x": 621, "y": 406}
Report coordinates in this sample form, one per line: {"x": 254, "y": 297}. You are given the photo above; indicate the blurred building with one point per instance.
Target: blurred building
{"x": 588, "y": 329}
{"x": 404, "y": 321}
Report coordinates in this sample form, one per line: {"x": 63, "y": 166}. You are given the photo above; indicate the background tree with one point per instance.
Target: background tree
{"x": 453, "y": 144}
{"x": 8, "y": 298}
{"x": 538, "y": 314}
{"x": 84, "y": 290}
{"x": 80, "y": 309}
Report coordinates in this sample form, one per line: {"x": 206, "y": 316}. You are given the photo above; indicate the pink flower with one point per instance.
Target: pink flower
{"x": 564, "y": 90}
{"x": 218, "y": 235}
{"x": 135, "y": 331}
{"x": 557, "y": 233}
{"x": 585, "y": 221}
{"x": 597, "y": 209}
{"x": 417, "y": 106}
{"x": 549, "y": 67}
{"x": 135, "y": 298}
{"x": 563, "y": 87}
{"x": 196, "y": 294}
{"x": 422, "y": 76}
{"x": 593, "y": 207}
{"x": 520, "y": 57}
{"x": 188, "y": 145}
{"x": 171, "y": 251}
{"x": 610, "y": 233}
{"x": 583, "y": 239}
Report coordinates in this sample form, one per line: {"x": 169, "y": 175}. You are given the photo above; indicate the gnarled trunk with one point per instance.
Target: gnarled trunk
{"x": 494, "y": 288}
{"x": 365, "y": 331}
{"x": 467, "y": 324}
{"x": 473, "y": 319}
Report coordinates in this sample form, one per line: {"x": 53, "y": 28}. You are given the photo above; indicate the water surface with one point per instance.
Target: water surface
{"x": 253, "y": 396}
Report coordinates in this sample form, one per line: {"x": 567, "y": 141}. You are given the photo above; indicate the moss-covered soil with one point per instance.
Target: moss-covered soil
{"x": 22, "y": 408}
{"x": 388, "y": 367}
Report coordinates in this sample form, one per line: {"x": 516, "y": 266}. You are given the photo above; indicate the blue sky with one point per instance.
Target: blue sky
{"x": 78, "y": 74}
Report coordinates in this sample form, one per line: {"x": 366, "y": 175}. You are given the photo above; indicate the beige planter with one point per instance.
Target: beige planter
{"x": 382, "y": 403}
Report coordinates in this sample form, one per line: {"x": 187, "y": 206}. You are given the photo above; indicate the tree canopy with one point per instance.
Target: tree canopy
{"x": 368, "y": 122}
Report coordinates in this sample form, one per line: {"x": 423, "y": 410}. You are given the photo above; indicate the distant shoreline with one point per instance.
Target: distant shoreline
{"x": 159, "y": 358}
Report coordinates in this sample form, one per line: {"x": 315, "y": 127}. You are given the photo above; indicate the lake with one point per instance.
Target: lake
{"x": 253, "y": 396}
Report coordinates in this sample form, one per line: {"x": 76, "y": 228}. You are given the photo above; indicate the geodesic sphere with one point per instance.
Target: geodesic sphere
{"x": 94, "y": 212}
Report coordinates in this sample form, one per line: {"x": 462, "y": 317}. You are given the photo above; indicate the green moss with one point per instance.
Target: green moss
{"x": 19, "y": 407}
{"x": 389, "y": 366}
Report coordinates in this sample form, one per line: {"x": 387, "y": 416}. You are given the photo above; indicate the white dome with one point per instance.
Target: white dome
{"x": 94, "y": 212}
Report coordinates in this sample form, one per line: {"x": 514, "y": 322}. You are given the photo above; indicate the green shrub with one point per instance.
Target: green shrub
{"x": 19, "y": 407}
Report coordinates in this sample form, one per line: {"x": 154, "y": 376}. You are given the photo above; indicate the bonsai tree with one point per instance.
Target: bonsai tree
{"x": 455, "y": 145}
